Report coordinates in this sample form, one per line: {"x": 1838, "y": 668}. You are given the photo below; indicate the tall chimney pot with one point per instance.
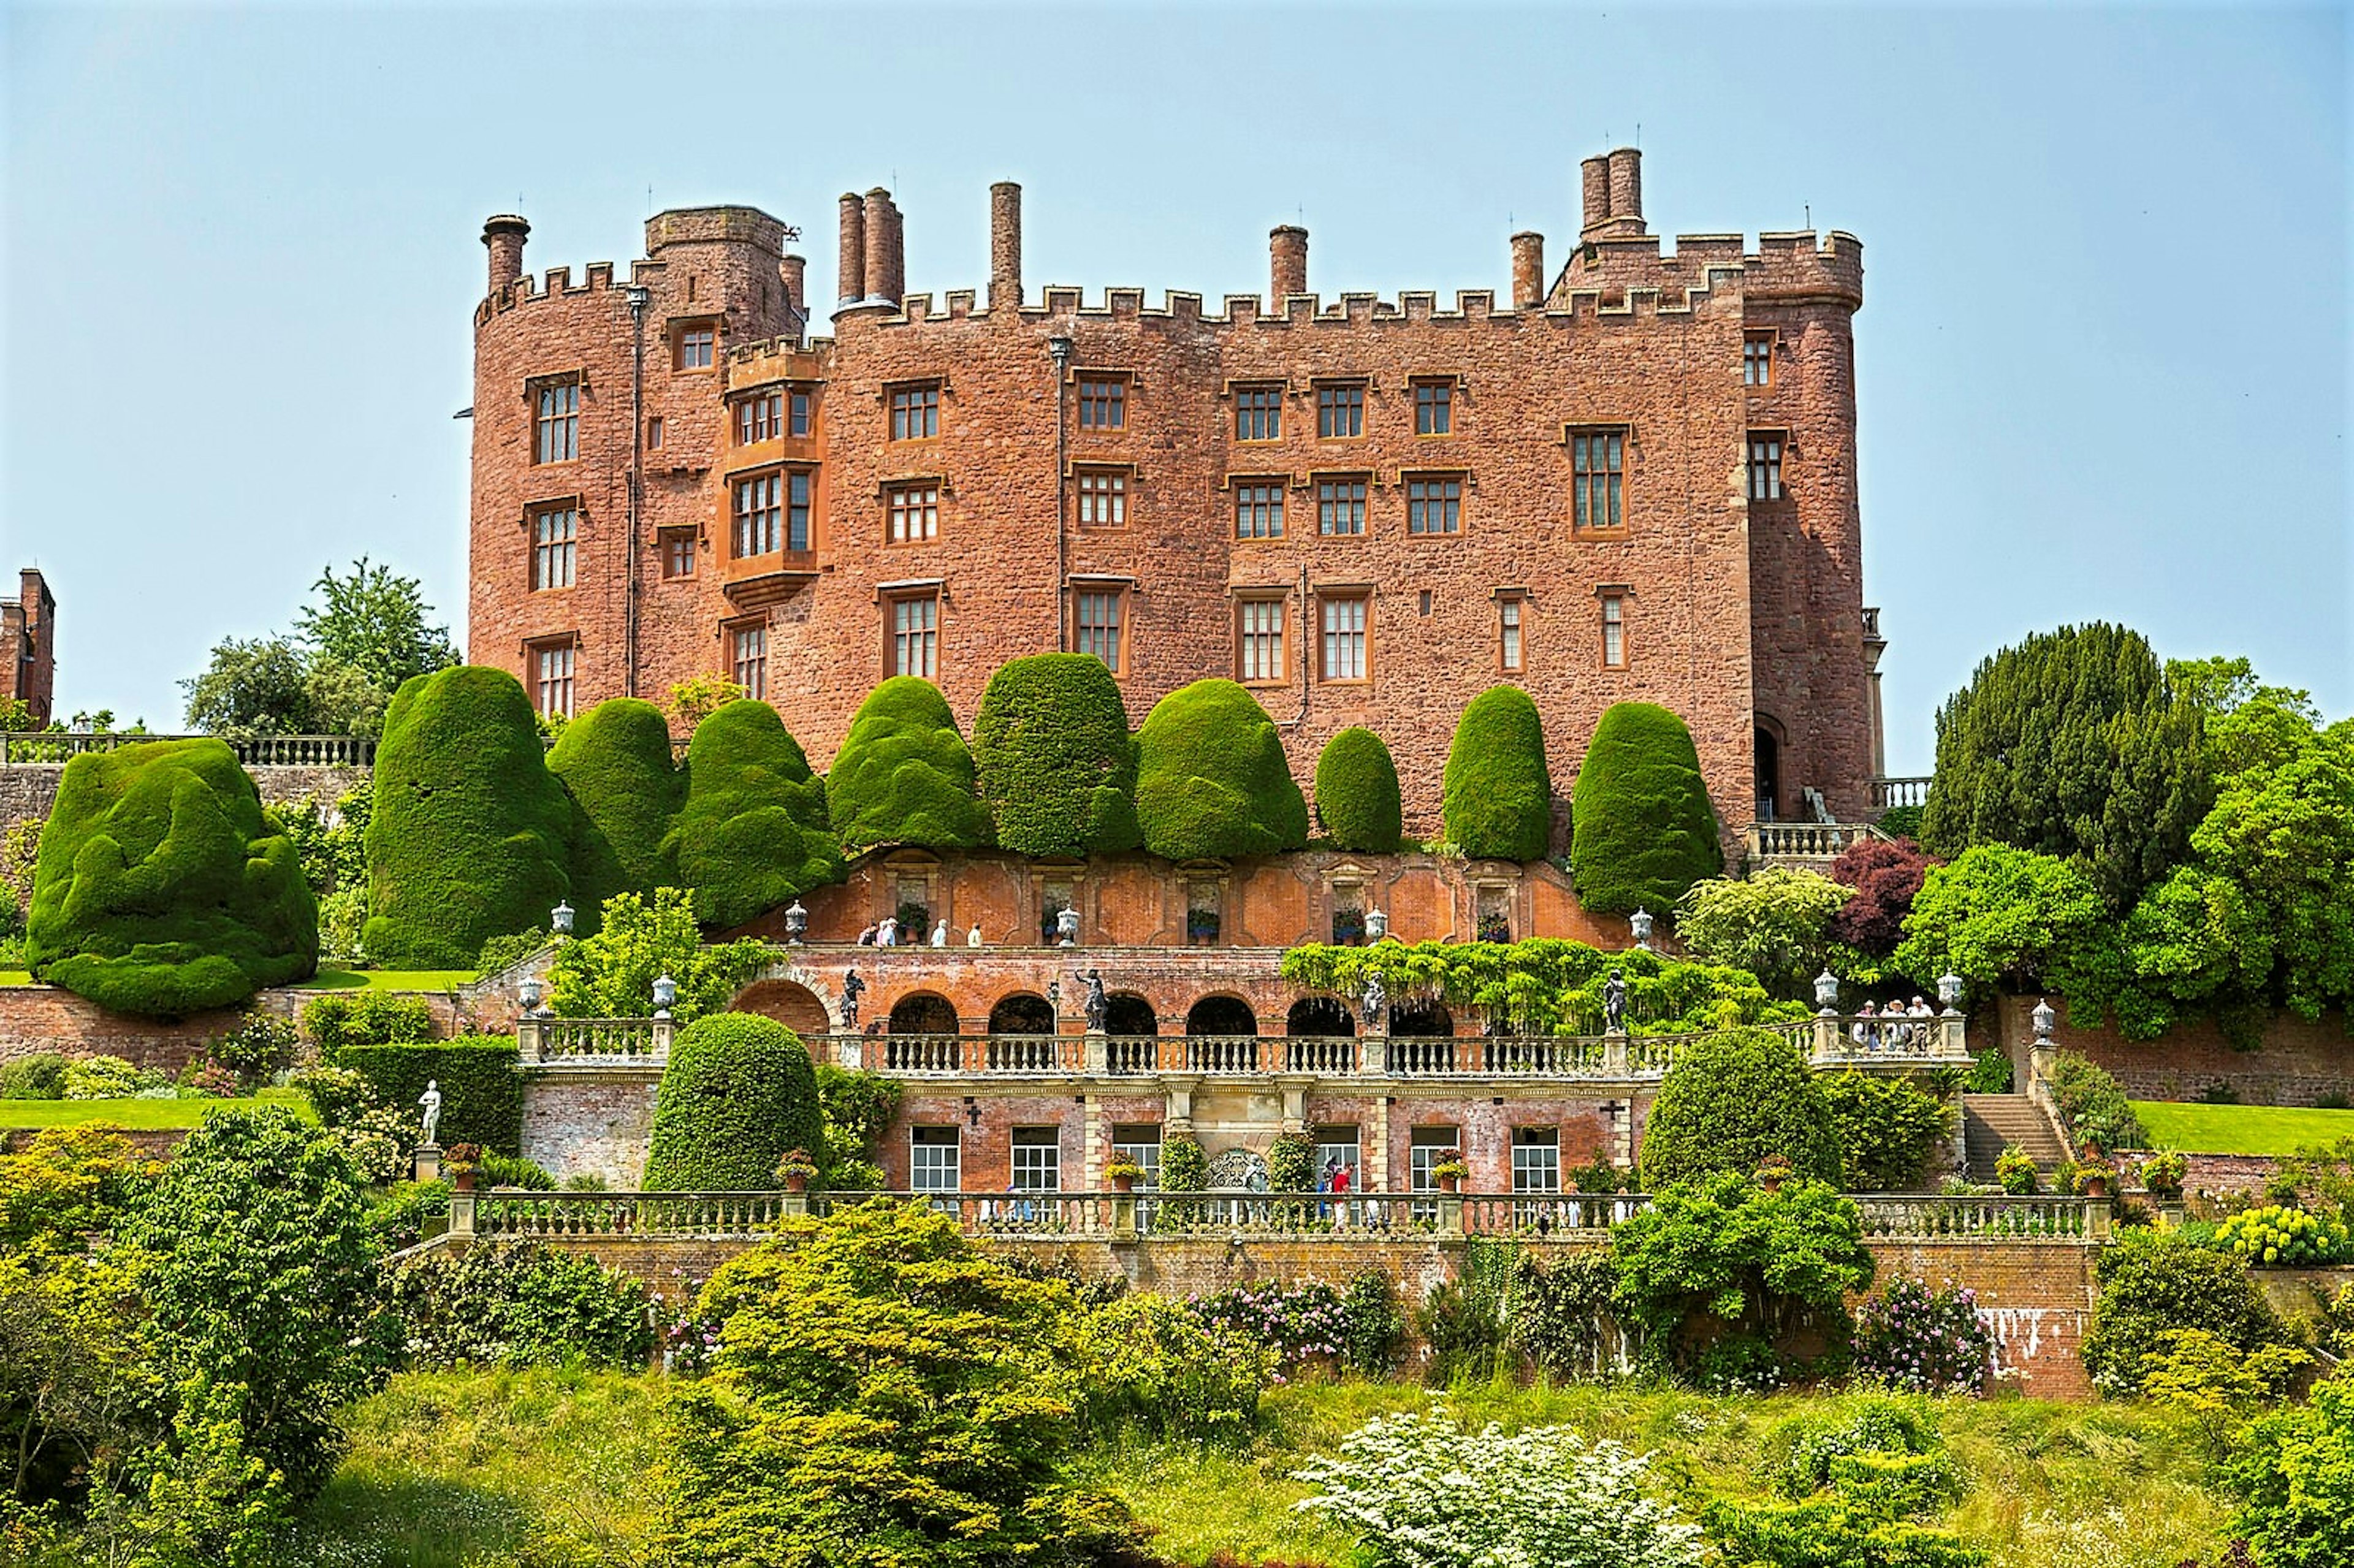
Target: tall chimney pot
{"x": 1528, "y": 271}
{"x": 504, "y": 236}
{"x": 1005, "y": 246}
{"x": 886, "y": 257}
{"x": 850, "y": 278}
{"x": 1287, "y": 251}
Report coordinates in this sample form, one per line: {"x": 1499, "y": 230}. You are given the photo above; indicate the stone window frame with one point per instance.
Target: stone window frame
{"x": 1344, "y": 593}
{"x": 1363, "y": 479}
{"x": 734, "y": 632}
{"x": 673, "y": 557}
{"x": 1512, "y": 631}
{"x": 1627, "y": 453}
{"x": 1280, "y": 597}
{"x": 534, "y": 511}
{"x": 1119, "y": 590}
{"x": 895, "y": 492}
{"x": 535, "y": 389}
{"x": 1270, "y": 388}
{"x": 1766, "y": 460}
{"x": 1362, "y": 385}
{"x": 1610, "y": 612}
{"x": 759, "y": 417}
{"x": 536, "y": 651}
{"x": 1460, "y": 478}
{"x": 905, "y": 407}
{"x": 1101, "y": 390}
{"x": 1098, "y": 482}
{"x": 653, "y": 432}
{"x": 891, "y": 596}
{"x": 690, "y": 354}
{"x": 738, "y": 516}
{"x": 1441, "y": 409}
{"x": 1274, "y": 484}
{"x": 1757, "y": 347}
{"x": 800, "y": 411}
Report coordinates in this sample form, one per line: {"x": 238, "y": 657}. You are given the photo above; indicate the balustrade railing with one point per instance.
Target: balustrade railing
{"x": 1860, "y": 1039}
{"x": 1910, "y": 1216}
{"x": 1888, "y": 794}
{"x": 619, "y": 1040}
{"x": 19, "y": 748}
{"x": 1807, "y": 840}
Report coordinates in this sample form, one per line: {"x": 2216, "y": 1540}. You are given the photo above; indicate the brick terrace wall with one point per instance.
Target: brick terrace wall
{"x": 38, "y": 1018}
{"x": 154, "y": 1142}
{"x": 2300, "y": 1062}
{"x": 581, "y": 1124}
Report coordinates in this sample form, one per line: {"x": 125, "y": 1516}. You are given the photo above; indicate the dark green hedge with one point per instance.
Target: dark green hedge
{"x": 1498, "y": 798}
{"x": 615, "y": 762}
{"x": 481, "y": 1091}
{"x": 738, "y": 1094}
{"x": 753, "y": 833}
{"x": 163, "y": 888}
{"x": 338, "y": 1019}
{"x": 1054, "y": 760}
{"x": 1211, "y": 780}
{"x": 1731, "y": 1101}
{"x": 470, "y": 835}
{"x": 1357, "y": 793}
{"x": 903, "y": 775}
{"x": 1641, "y": 828}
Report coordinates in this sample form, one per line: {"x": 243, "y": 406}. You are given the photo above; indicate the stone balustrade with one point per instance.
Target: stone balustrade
{"x": 620, "y": 1041}
{"x": 1888, "y": 794}
{"x": 1811, "y": 845}
{"x": 23, "y": 747}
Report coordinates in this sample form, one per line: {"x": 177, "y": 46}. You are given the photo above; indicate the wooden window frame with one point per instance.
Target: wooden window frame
{"x": 1272, "y": 502}
{"x": 682, "y": 334}
{"x": 1440, "y": 406}
{"x": 1582, "y": 480}
{"x": 545, "y": 549}
{"x": 910, "y": 404}
{"x": 1117, "y": 595}
{"x": 1765, "y": 455}
{"x": 1447, "y": 479}
{"x": 760, "y": 416}
{"x": 899, "y": 504}
{"x": 1757, "y": 356}
{"x": 737, "y": 662}
{"x": 1354, "y": 404}
{"x": 1512, "y": 633}
{"x": 675, "y": 542}
{"x": 1091, "y": 486}
{"x": 1244, "y": 604}
{"x": 1270, "y": 414}
{"x": 538, "y": 650}
{"x": 892, "y": 634}
{"x": 1612, "y": 611}
{"x": 1362, "y": 501}
{"x": 566, "y": 421}
{"x": 1364, "y": 632}
{"x": 1101, "y": 391}
{"x": 739, "y": 516}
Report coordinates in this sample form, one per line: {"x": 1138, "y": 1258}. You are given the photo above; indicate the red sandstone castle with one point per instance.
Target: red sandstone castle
{"x": 1636, "y": 481}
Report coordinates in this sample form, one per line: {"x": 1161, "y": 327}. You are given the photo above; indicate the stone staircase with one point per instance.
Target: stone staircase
{"x": 1990, "y": 1121}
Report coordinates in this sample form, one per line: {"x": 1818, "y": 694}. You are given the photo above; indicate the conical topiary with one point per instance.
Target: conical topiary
{"x": 1498, "y": 798}
{"x": 903, "y": 775}
{"x": 1357, "y": 793}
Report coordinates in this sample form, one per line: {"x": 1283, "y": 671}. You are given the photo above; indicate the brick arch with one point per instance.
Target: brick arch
{"x": 1221, "y": 1013}
{"x": 922, "y": 1012}
{"x": 1021, "y": 1012}
{"x": 790, "y": 1002}
{"x": 1321, "y": 1014}
{"x": 1130, "y": 1012}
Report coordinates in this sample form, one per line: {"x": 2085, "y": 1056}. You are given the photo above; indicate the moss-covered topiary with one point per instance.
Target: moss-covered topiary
{"x": 753, "y": 833}
{"x": 163, "y": 888}
{"x": 737, "y": 1094}
{"x": 1732, "y": 1101}
{"x": 1054, "y": 760}
{"x": 1497, "y": 800}
{"x": 615, "y": 762}
{"x": 1357, "y": 793}
{"x": 470, "y": 835}
{"x": 1641, "y": 828}
{"x": 903, "y": 775}
{"x": 1211, "y": 778}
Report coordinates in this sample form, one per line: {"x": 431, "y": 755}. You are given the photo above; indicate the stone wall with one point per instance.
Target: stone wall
{"x": 2300, "y": 1062}
{"x": 38, "y": 1018}
{"x": 29, "y": 790}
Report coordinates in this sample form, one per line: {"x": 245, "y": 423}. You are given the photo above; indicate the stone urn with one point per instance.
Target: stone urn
{"x": 2097, "y": 1185}
{"x": 796, "y": 1183}
{"x": 1123, "y": 1182}
{"x": 1450, "y": 1184}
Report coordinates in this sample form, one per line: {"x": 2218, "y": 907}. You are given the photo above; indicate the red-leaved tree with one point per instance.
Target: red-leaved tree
{"x": 1885, "y": 876}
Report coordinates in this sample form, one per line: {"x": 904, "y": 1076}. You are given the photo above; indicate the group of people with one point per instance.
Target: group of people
{"x": 1893, "y": 1027}
{"x": 886, "y": 933}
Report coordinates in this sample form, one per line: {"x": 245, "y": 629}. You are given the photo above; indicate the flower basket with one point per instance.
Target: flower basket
{"x": 1772, "y": 1171}
{"x": 796, "y": 1170}
{"x": 459, "y": 1162}
{"x": 1451, "y": 1171}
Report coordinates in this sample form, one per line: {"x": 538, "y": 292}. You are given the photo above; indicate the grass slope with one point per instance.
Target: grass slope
{"x": 141, "y": 1115}
{"x": 387, "y": 980}
{"x": 2240, "y": 1130}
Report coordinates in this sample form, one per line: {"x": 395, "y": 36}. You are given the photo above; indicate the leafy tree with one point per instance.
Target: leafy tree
{"x": 737, "y": 1094}
{"x": 1055, "y": 760}
{"x": 1211, "y": 778}
{"x": 2294, "y": 1470}
{"x": 903, "y": 775}
{"x": 615, "y": 762}
{"x": 375, "y": 621}
{"x": 2073, "y": 743}
{"x": 857, "y": 1110}
{"x": 1886, "y": 877}
{"x": 1774, "y": 925}
{"x": 1729, "y": 1102}
{"x": 884, "y": 1395}
{"x": 752, "y": 836}
{"x": 1496, "y": 799}
{"x": 1888, "y": 1129}
{"x": 164, "y": 888}
{"x": 2154, "y": 1282}
{"x": 2013, "y": 918}
{"x": 78, "y": 1389}
{"x": 697, "y": 697}
{"x": 1642, "y": 827}
{"x": 269, "y": 685}
{"x": 1357, "y": 798}
{"x": 611, "y": 974}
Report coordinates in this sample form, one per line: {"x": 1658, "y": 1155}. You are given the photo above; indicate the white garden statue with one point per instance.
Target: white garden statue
{"x": 431, "y": 1102}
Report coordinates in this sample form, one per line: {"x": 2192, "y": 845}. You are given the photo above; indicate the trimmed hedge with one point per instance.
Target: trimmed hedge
{"x": 481, "y": 1091}
{"x": 753, "y": 833}
{"x": 1054, "y": 760}
{"x": 903, "y": 775}
{"x": 1731, "y": 1101}
{"x": 470, "y": 835}
{"x": 1357, "y": 798}
{"x": 341, "y": 1019}
{"x": 1642, "y": 828}
{"x": 164, "y": 888}
{"x": 1497, "y": 799}
{"x": 738, "y": 1094}
{"x": 614, "y": 761}
{"x": 1211, "y": 776}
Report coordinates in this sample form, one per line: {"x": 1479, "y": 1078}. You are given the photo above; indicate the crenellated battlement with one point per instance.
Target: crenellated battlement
{"x": 1786, "y": 267}
{"x": 558, "y": 284}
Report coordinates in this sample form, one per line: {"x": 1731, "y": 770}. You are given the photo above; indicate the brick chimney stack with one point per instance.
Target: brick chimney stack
{"x": 1286, "y": 255}
{"x": 887, "y": 255}
{"x": 1528, "y": 270}
{"x": 1004, "y": 246}
{"x": 504, "y": 237}
{"x": 850, "y": 278}
{"x": 794, "y": 272}
{"x": 1614, "y": 195}
{"x": 1597, "y": 172}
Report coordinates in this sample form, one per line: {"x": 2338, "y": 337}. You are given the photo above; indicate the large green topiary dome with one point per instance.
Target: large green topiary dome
{"x": 1733, "y": 1099}
{"x": 615, "y": 762}
{"x": 162, "y": 887}
{"x": 753, "y": 833}
{"x": 903, "y": 775}
{"x": 471, "y": 835}
{"x": 1211, "y": 778}
{"x": 1642, "y": 830}
{"x": 1357, "y": 793}
{"x": 738, "y": 1094}
{"x": 1498, "y": 798}
{"x": 1054, "y": 756}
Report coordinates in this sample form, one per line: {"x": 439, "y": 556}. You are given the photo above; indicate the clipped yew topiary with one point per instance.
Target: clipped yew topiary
{"x": 903, "y": 775}
{"x": 1641, "y": 828}
{"x": 471, "y": 837}
{"x": 1211, "y": 780}
{"x": 1732, "y": 1100}
{"x": 753, "y": 833}
{"x": 481, "y": 1091}
{"x": 1497, "y": 800}
{"x": 738, "y": 1094}
{"x": 615, "y": 762}
{"x": 1056, "y": 762}
{"x": 162, "y": 887}
{"x": 1357, "y": 793}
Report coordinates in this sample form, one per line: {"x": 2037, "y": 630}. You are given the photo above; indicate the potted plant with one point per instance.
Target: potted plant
{"x": 2094, "y": 1176}
{"x": 2015, "y": 1169}
{"x": 2162, "y": 1174}
{"x": 460, "y": 1162}
{"x": 1123, "y": 1173}
{"x": 1449, "y": 1172}
{"x": 797, "y": 1170}
{"x": 1772, "y": 1171}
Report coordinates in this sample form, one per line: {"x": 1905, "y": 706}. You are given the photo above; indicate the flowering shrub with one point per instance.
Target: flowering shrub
{"x": 2285, "y": 1236}
{"x": 103, "y": 1078}
{"x": 1145, "y": 1359}
{"x": 1422, "y": 1494}
{"x": 2163, "y": 1174}
{"x": 1297, "y": 1323}
{"x": 260, "y": 1047}
{"x": 1922, "y": 1341}
{"x": 2015, "y": 1169}
{"x": 685, "y": 1341}
{"x": 519, "y": 1306}
{"x": 207, "y": 1080}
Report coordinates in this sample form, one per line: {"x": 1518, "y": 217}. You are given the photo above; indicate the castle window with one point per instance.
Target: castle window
{"x": 1340, "y": 506}
{"x": 1509, "y": 656}
{"x": 1536, "y": 1159}
{"x": 678, "y": 555}
{"x": 1258, "y": 511}
{"x": 655, "y": 433}
{"x": 1103, "y": 404}
{"x": 800, "y": 414}
{"x": 554, "y": 533}
{"x": 915, "y": 412}
{"x": 1258, "y": 413}
{"x": 556, "y": 422}
{"x": 552, "y": 664}
{"x": 1614, "y": 631}
{"x": 1765, "y": 465}
{"x": 759, "y": 512}
{"x": 1344, "y": 618}
{"x": 1597, "y": 464}
{"x": 932, "y": 1159}
{"x": 796, "y": 510}
{"x": 1103, "y": 499}
{"x": 915, "y": 636}
{"x": 1434, "y": 506}
{"x": 760, "y": 418}
{"x": 1098, "y": 619}
{"x": 915, "y": 511}
{"x": 697, "y": 348}
{"x": 1757, "y": 359}
{"x": 1038, "y": 1159}
{"x": 1258, "y": 640}
{"x": 749, "y": 646}
{"x": 1433, "y": 407}
{"x": 1340, "y": 413}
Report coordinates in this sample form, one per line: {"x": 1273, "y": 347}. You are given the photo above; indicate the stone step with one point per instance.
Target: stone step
{"x": 1989, "y": 1122}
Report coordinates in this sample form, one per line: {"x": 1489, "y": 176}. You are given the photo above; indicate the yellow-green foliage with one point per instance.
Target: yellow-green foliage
{"x": 471, "y": 836}
{"x": 903, "y": 775}
{"x": 753, "y": 833}
{"x": 2277, "y": 1233}
{"x": 164, "y": 888}
{"x": 1357, "y": 793}
{"x": 1498, "y": 797}
{"x": 615, "y": 762}
{"x": 1211, "y": 778}
{"x": 737, "y": 1092}
{"x": 1056, "y": 762}
{"x": 1642, "y": 828}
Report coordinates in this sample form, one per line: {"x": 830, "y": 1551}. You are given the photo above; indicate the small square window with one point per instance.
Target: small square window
{"x": 915, "y": 512}
{"x": 678, "y": 555}
{"x": 697, "y": 348}
{"x": 915, "y": 412}
{"x": 1765, "y": 465}
{"x": 1258, "y": 413}
{"x": 1433, "y": 408}
{"x": 1340, "y": 413}
{"x": 1103, "y": 404}
{"x": 1340, "y": 506}
{"x": 1103, "y": 499}
{"x": 1258, "y": 511}
{"x": 1757, "y": 359}
{"x": 1434, "y": 506}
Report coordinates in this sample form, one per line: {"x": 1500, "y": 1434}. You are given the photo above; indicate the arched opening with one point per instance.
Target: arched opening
{"x": 1221, "y": 1015}
{"x": 1420, "y": 1018}
{"x": 1318, "y": 1015}
{"x": 1023, "y": 1013}
{"x": 1125, "y": 1012}
{"x": 923, "y": 1012}
{"x": 790, "y": 1003}
{"x": 1769, "y": 770}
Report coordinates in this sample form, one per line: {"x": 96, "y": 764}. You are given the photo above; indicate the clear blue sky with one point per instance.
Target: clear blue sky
{"x": 2103, "y": 353}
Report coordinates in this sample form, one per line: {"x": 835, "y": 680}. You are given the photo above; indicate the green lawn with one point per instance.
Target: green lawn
{"x": 386, "y": 979}
{"x": 142, "y": 1116}
{"x": 16, "y": 977}
{"x": 2240, "y": 1130}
